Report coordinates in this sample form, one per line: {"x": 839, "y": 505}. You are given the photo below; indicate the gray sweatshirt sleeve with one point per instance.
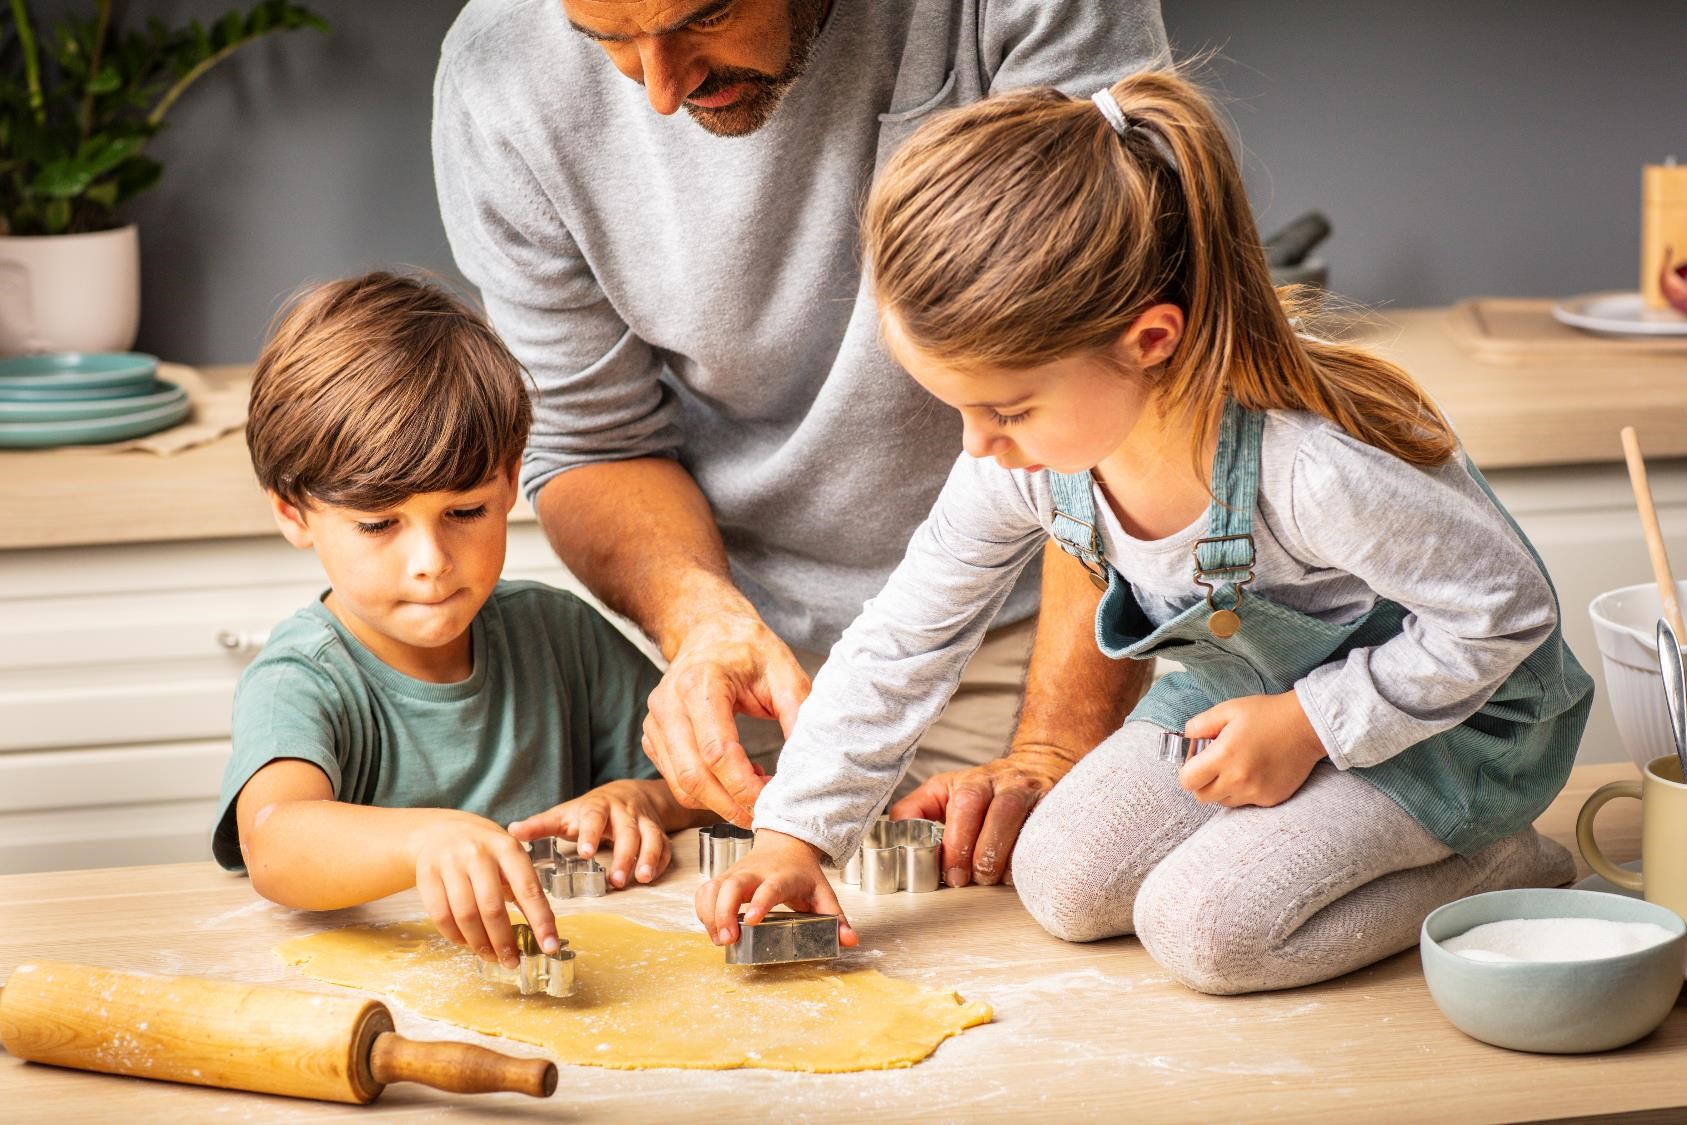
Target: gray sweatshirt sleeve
{"x": 893, "y": 670}
{"x": 1036, "y": 43}
{"x": 599, "y": 395}
{"x": 1432, "y": 541}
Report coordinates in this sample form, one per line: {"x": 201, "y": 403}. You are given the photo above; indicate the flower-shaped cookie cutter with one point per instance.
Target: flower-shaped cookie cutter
{"x": 565, "y": 876}
{"x": 1177, "y": 748}
{"x": 897, "y": 855}
{"x": 719, "y": 846}
{"x": 539, "y": 972}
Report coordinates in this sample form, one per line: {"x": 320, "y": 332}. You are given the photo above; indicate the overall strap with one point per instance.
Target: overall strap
{"x": 1074, "y": 525}
{"x": 1224, "y": 557}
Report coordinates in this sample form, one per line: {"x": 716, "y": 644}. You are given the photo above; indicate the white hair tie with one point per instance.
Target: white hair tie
{"x": 1109, "y": 107}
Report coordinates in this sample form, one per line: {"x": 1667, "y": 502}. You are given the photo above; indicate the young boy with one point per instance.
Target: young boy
{"x": 390, "y": 729}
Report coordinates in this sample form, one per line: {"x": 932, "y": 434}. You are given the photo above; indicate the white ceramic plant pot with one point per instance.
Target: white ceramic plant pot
{"x": 70, "y": 292}
{"x": 1625, "y": 622}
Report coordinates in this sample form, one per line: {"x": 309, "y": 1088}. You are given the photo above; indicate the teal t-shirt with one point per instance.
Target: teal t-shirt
{"x": 554, "y": 707}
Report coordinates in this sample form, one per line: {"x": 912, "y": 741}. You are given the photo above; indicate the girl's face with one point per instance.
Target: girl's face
{"x": 1068, "y": 415}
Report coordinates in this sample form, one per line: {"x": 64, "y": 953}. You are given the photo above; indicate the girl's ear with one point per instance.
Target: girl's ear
{"x": 513, "y": 476}
{"x": 1152, "y": 337}
{"x": 291, "y": 521}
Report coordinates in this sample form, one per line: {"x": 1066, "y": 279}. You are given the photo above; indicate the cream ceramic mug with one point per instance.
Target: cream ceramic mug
{"x": 1663, "y": 834}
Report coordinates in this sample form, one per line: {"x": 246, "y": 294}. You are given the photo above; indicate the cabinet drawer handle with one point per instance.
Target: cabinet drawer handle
{"x": 239, "y": 641}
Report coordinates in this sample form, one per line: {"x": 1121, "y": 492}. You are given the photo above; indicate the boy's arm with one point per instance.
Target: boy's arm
{"x": 304, "y": 849}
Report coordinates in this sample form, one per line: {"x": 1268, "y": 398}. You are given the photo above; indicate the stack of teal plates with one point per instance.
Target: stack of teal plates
{"x": 83, "y": 398}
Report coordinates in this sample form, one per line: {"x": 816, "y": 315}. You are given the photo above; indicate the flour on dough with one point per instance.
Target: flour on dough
{"x": 652, "y": 998}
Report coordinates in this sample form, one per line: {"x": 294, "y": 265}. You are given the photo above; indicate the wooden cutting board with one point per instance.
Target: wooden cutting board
{"x": 1521, "y": 330}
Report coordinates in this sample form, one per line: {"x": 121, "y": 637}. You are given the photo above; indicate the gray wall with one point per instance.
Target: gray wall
{"x": 1459, "y": 148}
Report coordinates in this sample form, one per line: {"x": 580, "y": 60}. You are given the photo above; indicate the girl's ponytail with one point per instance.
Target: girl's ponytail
{"x": 1031, "y": 226}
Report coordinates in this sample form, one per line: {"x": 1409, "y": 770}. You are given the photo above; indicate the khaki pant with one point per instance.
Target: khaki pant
{"x": 975, "y": 728}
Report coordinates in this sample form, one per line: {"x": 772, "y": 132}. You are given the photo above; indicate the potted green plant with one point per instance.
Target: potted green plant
{"x": 78, "y": 103}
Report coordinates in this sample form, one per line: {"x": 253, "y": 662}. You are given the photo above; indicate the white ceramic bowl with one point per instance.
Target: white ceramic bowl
{"x": 1625, "y": 622}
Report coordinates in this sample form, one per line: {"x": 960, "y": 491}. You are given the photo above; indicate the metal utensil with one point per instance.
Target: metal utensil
{"x": 1675, "y": 689}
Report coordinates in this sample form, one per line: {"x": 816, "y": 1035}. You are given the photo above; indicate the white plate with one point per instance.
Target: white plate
{"x": 1618, "y": 314}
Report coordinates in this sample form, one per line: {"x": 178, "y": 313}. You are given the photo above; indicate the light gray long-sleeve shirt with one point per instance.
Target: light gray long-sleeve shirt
{"x": 1338, "y": 525}
{"x": 679, "y": 294}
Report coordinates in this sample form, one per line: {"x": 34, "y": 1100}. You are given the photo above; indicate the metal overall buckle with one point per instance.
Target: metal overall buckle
{"x": 1095, "y": 569}
{"x": 1223, "y": 623}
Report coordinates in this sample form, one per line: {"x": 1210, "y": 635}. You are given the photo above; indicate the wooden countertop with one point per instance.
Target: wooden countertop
{"x": 1511, "y": 416}
{"x": 1081, "y": 1031}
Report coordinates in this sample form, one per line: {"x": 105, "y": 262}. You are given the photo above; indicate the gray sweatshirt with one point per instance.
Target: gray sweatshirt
{"x": 1338, "y": 525}
{"x": 679, "y": 294}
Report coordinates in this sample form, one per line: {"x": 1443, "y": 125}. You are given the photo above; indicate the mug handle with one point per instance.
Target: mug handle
{"x": 1628, "y": 880}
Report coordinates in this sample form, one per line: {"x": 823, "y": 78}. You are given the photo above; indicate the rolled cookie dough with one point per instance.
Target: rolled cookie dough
{"x": 652, "y": 998}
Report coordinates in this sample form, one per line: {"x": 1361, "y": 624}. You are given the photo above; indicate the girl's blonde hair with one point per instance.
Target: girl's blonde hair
{"x": 1023, "y": 229}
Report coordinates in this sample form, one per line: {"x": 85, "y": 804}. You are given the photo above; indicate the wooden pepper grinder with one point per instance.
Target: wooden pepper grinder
{"x": 1663, "y": 226}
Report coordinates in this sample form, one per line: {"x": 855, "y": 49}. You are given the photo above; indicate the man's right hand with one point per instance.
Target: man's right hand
{"x": 723, "y": 668}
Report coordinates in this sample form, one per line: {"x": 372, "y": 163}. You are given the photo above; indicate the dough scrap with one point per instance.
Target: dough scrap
{"x": 652, "y": 998}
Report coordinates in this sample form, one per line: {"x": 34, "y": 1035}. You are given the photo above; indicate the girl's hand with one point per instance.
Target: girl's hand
{"x": 631, "y": 813}
{"x": 780, "y": 869}
{"x": 466, "y": 869}
{"x": 1264, "y": 751}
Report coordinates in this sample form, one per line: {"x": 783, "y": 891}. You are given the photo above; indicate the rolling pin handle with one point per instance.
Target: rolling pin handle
{"x": 461, "y": 1068}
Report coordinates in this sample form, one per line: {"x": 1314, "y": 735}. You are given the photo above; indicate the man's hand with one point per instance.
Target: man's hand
{"x": 1264, "y": 750}
{"x": 983, "y": 809}
{"x": 723, "y": 667}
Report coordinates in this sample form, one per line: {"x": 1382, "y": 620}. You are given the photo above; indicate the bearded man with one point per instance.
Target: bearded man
{"x": 722, "y": 449}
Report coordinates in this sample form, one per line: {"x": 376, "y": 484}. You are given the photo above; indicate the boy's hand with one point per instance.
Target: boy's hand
{"x": 633, "y": 814}
{"x": 780, "y": 869}
{"x": 466, "y": 869}
{"x": 1264, "y": 751}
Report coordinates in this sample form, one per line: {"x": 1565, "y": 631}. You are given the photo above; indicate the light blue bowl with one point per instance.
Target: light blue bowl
{"x": 78, "y": 371}
{"x": 1556, "y": 1007}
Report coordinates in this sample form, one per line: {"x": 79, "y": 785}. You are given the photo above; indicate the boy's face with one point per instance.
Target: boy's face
{"x": 407, "y": 581}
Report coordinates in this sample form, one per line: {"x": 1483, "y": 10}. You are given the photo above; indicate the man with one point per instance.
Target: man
{"x": 722, "y": 449}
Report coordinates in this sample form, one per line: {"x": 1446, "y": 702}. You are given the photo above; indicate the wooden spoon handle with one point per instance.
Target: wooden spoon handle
{"x": 461, "y": 1068}
{"x": 1654, "y": 533}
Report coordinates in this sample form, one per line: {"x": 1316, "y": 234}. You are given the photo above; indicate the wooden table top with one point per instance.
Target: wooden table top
{"x": 1081, "y": 1031}
{"x": 1557, "y": 412}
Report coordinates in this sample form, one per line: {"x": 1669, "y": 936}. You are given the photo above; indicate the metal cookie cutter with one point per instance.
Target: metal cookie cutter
{"x": 1174, "y": 747}
{"x": 784, "y": 936}
{"x": 719, "y": 846}
{"x": 566, "y": 876}
{"x": 897, "y": 855}
{"x": 550, "y": 973}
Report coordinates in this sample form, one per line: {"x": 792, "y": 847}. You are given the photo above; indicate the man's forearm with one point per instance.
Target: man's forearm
{"x": 1075, "y": 695}
{"x": 641, "y": 536}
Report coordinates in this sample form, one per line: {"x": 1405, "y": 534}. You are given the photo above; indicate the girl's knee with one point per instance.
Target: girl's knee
{"x": 1068, "y": 896}
{"x": 1183, "y": 926}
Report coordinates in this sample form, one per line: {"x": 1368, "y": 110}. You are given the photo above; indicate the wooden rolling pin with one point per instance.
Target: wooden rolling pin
{"x": 239, "y": 1037}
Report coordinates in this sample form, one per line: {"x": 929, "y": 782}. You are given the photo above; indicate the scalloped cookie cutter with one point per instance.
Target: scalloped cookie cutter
{"x": 1174, "y": 747}
{"x": 897, "y": 855}
{"x": 719, "y": 846}
{"x": 539, "y": 972}
{"x": 785, "y": 936}
{"x": 566, "y": 876}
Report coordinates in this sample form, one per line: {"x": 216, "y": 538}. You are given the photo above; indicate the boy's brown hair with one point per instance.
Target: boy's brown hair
{"x": 374, "y": 389}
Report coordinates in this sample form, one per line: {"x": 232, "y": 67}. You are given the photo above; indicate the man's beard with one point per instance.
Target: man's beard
{"x": 753, "y": 110}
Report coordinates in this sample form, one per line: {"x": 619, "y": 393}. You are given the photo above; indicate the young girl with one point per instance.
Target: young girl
{"x": 1363, "y": 631}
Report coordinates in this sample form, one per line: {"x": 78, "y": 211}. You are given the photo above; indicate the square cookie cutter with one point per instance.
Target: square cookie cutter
{"x": 785, "y": 936}
{"x": 565, "y": 876}
{"x": 719, "y": 846}
{"x": 1174, "y": 747}
{"x": 539, "y": 972}
{"x": 897, "y": 855}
